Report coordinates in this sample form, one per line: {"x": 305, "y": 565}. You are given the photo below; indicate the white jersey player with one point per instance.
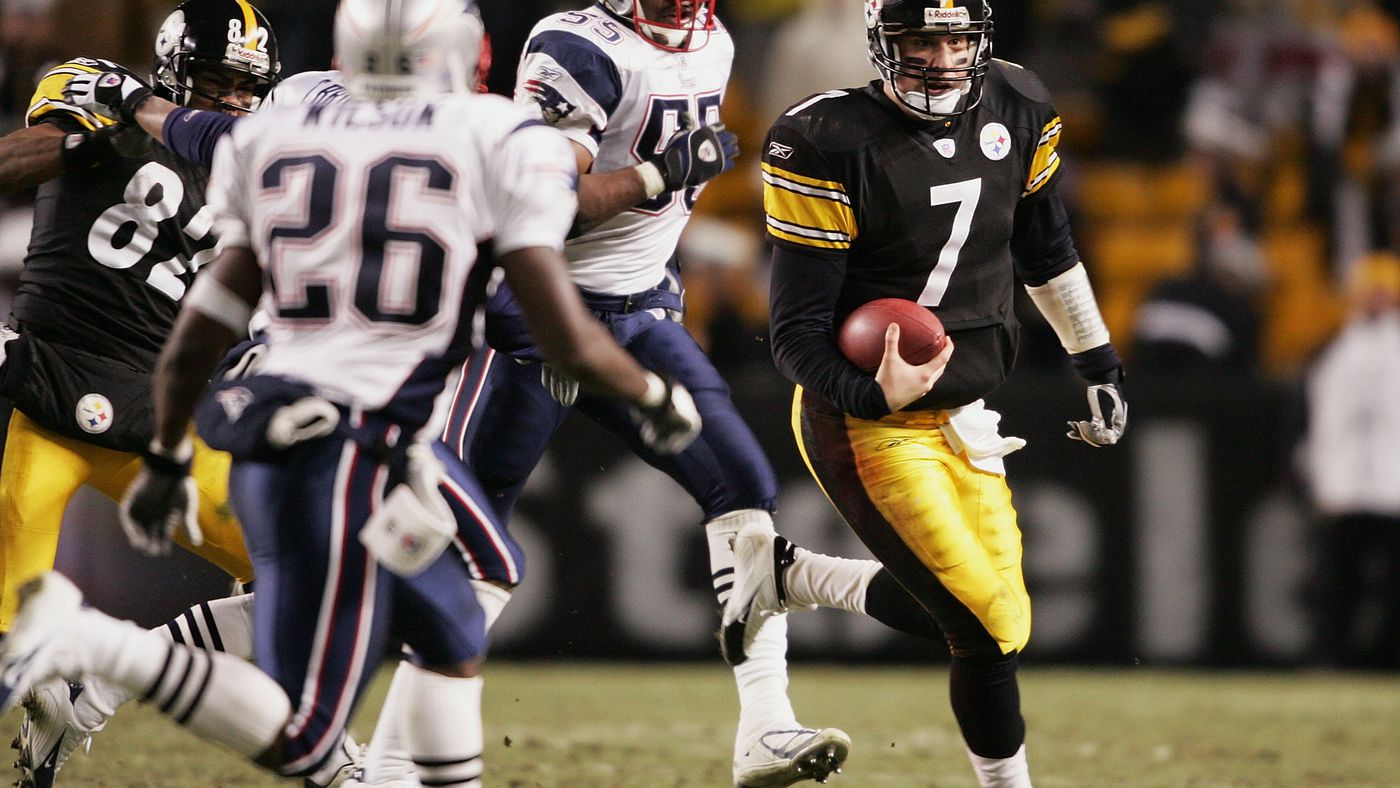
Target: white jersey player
{"x": 620, "y": 98}
{"x": 636, "y": 85}
{"x": 361, "y": 220}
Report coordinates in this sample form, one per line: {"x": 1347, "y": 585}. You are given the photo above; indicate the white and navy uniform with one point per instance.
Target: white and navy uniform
{"x": 366, "y": 219}
{"x": 487, "y": 547}
{"x": 589, "y": 74}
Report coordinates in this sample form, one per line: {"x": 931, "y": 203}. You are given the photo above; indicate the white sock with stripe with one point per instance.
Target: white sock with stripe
{"x": 219, "y": 625}
{"x": 443, "y": 728}
{"x": 762, "y": 678}
{"x": 387, "y": 761}
{"x": 217, "y": 696}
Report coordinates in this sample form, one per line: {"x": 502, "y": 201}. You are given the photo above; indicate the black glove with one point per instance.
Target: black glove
{"x": 114, "y": 94}
{"x": 696, "y": 154}
{"x": 161, "y": 499}
{"x": 1103, "y": 374}
{"x": 667, "y": 418}
{"x": 86, "y": 149}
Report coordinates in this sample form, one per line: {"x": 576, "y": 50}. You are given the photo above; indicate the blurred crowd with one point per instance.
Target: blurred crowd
{"x": 1234, "y": 168}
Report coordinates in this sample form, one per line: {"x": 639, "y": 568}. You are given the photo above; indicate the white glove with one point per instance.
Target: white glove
{"x": 1101, "y": 430}
{"x": 562, "y": 388}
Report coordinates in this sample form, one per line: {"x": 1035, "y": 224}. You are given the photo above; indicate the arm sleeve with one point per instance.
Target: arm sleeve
{"x": 573, "y": 84}
{"x": 536, "y": 187}
{"x": 193, "y": 135}
{"x": 1041, "y": 243}
{"x": 802, "y": 305}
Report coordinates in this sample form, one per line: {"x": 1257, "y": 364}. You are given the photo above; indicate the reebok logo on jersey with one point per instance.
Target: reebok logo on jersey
{"x": 94, "y": 414}
{"x": 548, "y": 74}
{"x": 996, "y": 141}
{"x": 779, "y": 151}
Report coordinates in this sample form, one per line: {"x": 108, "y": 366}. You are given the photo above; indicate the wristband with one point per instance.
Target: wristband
{"x": 652, "y": 181}
{"x": 173, "y": 462}
{"x": 655, "y": 393}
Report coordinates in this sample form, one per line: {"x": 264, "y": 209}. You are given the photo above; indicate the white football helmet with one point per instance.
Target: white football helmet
{"x": 392, "y": 49}
{"x": 685, "y": 28}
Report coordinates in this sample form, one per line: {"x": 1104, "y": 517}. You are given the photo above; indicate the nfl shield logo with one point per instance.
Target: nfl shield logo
{"x": 94, "y": 414}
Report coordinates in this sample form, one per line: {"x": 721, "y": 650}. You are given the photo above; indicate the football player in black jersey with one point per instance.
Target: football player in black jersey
{"x": 935, "y": 183}
{"x": 120, "y": 229}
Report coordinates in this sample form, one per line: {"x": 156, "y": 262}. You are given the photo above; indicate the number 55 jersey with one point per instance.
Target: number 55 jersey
{"x": 946, "y": 212}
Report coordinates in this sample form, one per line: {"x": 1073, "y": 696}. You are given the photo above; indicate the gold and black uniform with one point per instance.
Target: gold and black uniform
{"x": 112, "y": 251}
{"x": 864, "y": 201}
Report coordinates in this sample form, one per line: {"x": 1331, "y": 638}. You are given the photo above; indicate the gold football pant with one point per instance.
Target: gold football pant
{"x": 946, "y": 530}
{"x": 42, "y": 470}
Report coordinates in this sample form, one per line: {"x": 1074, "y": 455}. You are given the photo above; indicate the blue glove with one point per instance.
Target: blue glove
{"x": 696, "y": 154}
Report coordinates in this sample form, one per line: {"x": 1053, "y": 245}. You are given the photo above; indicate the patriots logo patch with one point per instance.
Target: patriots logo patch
{"x": 94, "y": 414}
{"x": 779, "y": 151}
{"x": 552, "y": 103}
{"x": 234, "y": 401}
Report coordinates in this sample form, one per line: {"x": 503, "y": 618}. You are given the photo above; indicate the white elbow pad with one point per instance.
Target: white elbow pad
{"x": 1068, "y": 304}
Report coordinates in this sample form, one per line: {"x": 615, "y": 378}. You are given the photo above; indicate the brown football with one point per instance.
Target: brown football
{"x": 862, "y": 336}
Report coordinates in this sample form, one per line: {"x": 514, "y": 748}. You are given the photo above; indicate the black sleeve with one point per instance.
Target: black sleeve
{"x": 802, "y": 307}
{"x": 1041, "y": 244}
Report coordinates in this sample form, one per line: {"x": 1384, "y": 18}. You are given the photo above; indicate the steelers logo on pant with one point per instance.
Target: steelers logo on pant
{"x": 94, "y": 414}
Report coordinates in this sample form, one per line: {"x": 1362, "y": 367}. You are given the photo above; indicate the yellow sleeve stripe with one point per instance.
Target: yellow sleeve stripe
{"x": 1046, "y": 161}
{"x": 801, "y": 180}
{"x": 807, "y": 214}
{"x": 48, "y": 97}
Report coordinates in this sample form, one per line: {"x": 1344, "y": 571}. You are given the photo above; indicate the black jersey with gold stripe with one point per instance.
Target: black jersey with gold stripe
{"x": 113, "y": 248}
{"x": 933, "y": 212}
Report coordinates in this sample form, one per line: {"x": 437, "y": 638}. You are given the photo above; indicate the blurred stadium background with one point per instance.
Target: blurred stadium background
{"x": 1228, "y": 163}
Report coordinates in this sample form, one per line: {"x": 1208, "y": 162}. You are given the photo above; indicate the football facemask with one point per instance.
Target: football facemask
{"x": 684, "y": 26}
{"x": 938, "y": 92}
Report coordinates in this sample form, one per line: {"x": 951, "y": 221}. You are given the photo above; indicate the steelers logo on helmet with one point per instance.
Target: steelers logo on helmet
{"x": 926, "y": 89}
{"x": 94, "y": 414}
{"x": 229, "y": 36}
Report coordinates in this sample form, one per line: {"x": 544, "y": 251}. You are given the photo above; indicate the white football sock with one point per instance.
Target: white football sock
{"x": 219, "y": 697}
{"x": 762, "y": 678}
{"x": 387, "y": 761}
{"x": 219, "y": 625}
{"x": 829, "y": 581}
{"x": 1011, "y": 772}
{"x": 442, "y": 728}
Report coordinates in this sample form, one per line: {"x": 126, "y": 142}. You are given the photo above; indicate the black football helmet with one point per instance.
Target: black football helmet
{"x": 886, "y": 20}
{"x": 227, "y": 34}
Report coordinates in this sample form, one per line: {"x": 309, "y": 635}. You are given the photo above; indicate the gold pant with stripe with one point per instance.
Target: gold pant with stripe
{"x": 42, "y": 470}
{"x": 946, "y": 530}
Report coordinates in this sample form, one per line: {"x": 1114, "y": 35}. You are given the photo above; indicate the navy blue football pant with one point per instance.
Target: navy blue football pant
{"x": 325, "y": 610}
{"x": 503, "y": 419}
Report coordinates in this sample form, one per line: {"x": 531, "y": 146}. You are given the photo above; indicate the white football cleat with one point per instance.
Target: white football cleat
{"x": 339, "y": 771}
{"x": 760, "y": 559}
{"x": 34, "y": 648}
{"x": 784, "y": 757}
{"x": 50, "y": 732}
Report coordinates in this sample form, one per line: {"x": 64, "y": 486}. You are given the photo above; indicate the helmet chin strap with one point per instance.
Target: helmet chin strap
{"x": 931, "y": 106}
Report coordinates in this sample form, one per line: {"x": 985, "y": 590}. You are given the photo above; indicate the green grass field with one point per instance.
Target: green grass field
{"x": 573, "y": 724}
